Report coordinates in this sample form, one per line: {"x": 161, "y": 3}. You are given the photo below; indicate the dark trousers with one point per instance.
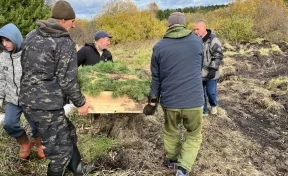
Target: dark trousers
{"x": 58, "y": 135}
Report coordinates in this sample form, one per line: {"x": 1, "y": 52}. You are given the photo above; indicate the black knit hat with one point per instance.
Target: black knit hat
{"x": 62, "y": 10}
{"x": 176, "y": 18}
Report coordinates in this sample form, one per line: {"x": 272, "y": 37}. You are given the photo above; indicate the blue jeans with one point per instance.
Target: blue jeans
{"x": 12, "y": 121}
{"x": 210, "y": 90}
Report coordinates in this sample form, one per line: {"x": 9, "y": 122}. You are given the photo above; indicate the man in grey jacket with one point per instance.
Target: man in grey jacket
{"x": 49, "y": 64}
{"x": 213, "y": 56}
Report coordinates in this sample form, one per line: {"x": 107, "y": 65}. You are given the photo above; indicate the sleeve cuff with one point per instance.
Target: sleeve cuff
{"x": 81, "y": 102}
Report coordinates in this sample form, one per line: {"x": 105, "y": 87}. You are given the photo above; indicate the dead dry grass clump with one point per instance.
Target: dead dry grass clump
{"x": 254, "y": 94}
{"x": 248, "y": 136}
{"x": 222, "y": 154}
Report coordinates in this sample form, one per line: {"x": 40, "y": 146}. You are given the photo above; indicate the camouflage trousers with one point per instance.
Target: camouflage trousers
{"x": 58, "y": 135}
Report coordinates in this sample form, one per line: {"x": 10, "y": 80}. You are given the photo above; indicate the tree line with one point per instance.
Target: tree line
{"x": 240, "y": 20}
{"x": 164, "y": 14}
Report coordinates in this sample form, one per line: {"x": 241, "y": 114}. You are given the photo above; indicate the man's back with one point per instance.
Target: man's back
{"x": 49, "y": 64}
{"x": 180, "y": 62}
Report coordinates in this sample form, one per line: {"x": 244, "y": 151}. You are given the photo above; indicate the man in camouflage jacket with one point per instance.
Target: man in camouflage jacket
{"x": 49, "y": 65}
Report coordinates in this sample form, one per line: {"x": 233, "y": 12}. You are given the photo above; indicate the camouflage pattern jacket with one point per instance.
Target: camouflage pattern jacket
{"x": 10, "y": 66}
{"x": 49, "y": 64}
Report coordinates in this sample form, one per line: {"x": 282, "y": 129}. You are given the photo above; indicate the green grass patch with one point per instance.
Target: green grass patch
{"x": 91, "y": 146}
{"x": 275, "y": 48}
{"x": 230, "y": 53}
{"x": 115, "y": 77}
{"x": 276, "y": 82}
{"x": 264, "y": 51}
{"x": 258, "y": 40}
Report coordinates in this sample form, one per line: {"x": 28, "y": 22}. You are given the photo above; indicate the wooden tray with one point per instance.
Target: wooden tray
{"x": 105, "y": 103}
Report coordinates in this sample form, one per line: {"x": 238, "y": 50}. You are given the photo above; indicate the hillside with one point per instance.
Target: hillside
{"x": 248, "y": 137}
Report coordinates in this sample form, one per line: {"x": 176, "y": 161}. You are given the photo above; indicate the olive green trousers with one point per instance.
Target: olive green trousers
{"x": 185, "y": 151}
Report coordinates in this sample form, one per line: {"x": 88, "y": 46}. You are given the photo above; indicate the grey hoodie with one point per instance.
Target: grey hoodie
{"x": 10, "y": 65}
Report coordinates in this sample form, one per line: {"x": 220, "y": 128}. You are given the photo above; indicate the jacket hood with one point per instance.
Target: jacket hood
{"x": 51, "y": 28}
{"x": 177, "y": 32}
{"x": 210, "y": 35}
{"x": 90, "y": 44}
{"x": 11, "y": 32}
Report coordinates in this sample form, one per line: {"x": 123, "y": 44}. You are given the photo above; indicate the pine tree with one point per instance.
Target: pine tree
{"x": 23, "y": 13}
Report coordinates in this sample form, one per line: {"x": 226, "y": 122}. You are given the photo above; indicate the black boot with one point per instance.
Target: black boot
{"x": 76, "y": 166}
{"x": 54, "y": 172}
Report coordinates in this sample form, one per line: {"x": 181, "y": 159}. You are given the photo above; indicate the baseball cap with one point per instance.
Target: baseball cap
{"x": 101, "y": 34}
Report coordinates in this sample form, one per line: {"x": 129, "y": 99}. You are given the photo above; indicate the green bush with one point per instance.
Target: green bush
{"x": 236, "y": 29}
{"x": 127, "y": 23}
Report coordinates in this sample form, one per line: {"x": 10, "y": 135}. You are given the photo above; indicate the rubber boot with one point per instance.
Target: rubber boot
{"x": 37, "y": 141}
{"x": 25, "y": 146}
{"x": 54, "y": 172}
{"x": 76, "y": 166}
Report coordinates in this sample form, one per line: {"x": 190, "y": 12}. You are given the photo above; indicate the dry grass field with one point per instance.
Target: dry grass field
{"x": 248, "y": 137}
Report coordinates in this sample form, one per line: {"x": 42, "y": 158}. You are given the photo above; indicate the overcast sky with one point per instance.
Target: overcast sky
{"x": 88, "y": 8}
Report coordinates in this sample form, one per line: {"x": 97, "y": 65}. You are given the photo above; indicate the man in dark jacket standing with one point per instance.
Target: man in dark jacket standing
{"x": 213, "y": 56}
{"x": 177, "y": 84}
{"x": 49, "y": 75}
{"x": 92, "y": 53}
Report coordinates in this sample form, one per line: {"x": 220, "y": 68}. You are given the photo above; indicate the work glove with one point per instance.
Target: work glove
{"x": 149, "y": 109}
{"x": 211, "y": 74}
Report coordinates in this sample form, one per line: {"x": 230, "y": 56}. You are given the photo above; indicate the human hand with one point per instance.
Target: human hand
{"x": 211, "y": 74}
{"x": 149, "y": 109}
{"x": 83, "y": 110}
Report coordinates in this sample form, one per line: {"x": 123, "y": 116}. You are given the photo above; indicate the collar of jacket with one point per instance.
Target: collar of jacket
{"x": 207, "y": 36}
{"x": 51, "y": 28}
{"x": 92, "y": 45}
{"x": 177, "y": 32}
{"x": 12, "y": 55}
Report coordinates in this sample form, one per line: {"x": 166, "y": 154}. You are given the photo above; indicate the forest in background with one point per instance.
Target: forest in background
{"x": 238, "y": 21}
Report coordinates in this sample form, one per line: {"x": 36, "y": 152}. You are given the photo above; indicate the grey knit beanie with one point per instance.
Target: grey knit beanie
{"x": 176, "y": 18}
{"x": 62, "y": 10}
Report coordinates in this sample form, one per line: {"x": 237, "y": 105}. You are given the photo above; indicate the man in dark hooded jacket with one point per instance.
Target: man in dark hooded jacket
{"x": 49, "y": 75}
{"x": 93, "y": 53}
{"x": 177, "y": 84}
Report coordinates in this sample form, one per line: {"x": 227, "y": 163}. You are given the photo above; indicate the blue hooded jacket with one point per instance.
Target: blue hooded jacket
{"x": 10, "y": 65}
{"x": 11, "y": 32}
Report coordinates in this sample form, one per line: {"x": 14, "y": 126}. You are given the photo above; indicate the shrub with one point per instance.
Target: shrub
{"x": 129, "y": 24}
{"x": 272, "y": 26}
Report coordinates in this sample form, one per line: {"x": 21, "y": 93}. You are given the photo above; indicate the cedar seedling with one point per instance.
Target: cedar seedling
{"x": 115, "y": 77}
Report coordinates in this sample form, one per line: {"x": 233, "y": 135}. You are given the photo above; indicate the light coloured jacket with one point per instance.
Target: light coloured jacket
{"x": 213, "y": 55}
{"x": 10, "y": 65}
